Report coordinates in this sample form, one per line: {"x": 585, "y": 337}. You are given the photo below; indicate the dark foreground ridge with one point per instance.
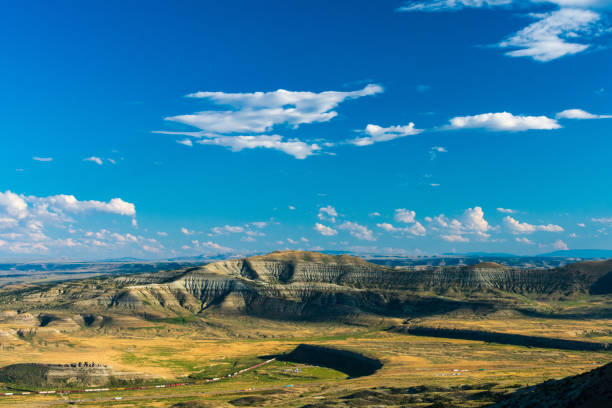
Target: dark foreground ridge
{"x": 349, "y": 362}
{"x": 589, "y": 390}
{"x": 504, "y": 338}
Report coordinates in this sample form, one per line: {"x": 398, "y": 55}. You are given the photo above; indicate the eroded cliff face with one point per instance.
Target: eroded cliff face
{"x": 296, "y": 287}
{"x": 306, "y": 284}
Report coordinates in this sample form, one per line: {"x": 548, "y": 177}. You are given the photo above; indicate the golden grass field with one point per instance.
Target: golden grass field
{"x": 172, "y": 350}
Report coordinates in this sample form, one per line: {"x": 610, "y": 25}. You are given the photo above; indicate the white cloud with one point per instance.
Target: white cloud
{"x": 374, "y": 214}
{"x": 524, "y": 240}
{"x": 603, "y": 220}
{"x": 404, "y": 215}
{"x": 560, "y": 245}
{"x": 547, "y": 38}
{"x": 358, "y": 231}
{"x": 325, "y": 230}
{"x": 580, "y": 114}
{"x": 259, "y": 112}
{"x": 215, "y": 246}
{"x": 94, "y": 159}
{"x": 112, "y": 161}
{"x": 162, "y": 233}
{"x": 304, "y": 239}
{"x": 454, "y": 238}
{"x": 327, "y": 212}
{"x": 517, "y": 227}
{"x": 185, "y": 142}
{"x": 387, "y": 227}
{"x": 473, "y": 220}
{"x": 416, "y": 229}
{"x": 42, "y": 159}
{"x": 69, "y": 203}
{"x": 506, "y": 210}
{"x": 26, "y": 220}
{"x": 292, "y": 208}
{"x": 187, "y": 231}
{"x": 293, "y": 147}
{"x": 503, "y": 121}
{"x": 13, "y": 204}
{"x": 444, "y": 5}
{"x": 581, "y": 224}
{"x": 231, "y": 229}
{"x": 552, "y": 36}
{"x": 377, "y": 133}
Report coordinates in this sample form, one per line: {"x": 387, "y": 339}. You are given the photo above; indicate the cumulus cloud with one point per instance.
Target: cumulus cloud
{"x": 560, "y": 245}
{"x": 327, "y": 212}
{"x": 377, "y": 133}
{"x": 404, "y": 215}
{"x": 358, "y": 231}
{"x": 25, "y": 222}
{"x": 580, "y": 114}
{"x": 517, "y": 227}
{"x": 69, "y": 203}
{"x": 94, "y": 159}
{"x": 503, "y": 121}
{"x": 325, "y": 230}
{"x": 472, "y": 221}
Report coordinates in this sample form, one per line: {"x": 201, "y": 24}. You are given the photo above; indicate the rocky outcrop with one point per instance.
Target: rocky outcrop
{"x": 309, "y": 284}
{"x": 73, "y": 374}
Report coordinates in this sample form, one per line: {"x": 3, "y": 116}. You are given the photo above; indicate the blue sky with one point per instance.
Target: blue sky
{"x": 157, "y": 129}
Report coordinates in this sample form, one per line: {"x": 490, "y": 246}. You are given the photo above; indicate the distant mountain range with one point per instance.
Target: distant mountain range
{"x": 568, "y": 253}
{"x": 580, "y": 253}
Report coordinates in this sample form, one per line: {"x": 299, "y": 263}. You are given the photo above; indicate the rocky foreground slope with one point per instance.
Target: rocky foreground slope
{"x": 589, "y": 390}
{"x": 294, "y": 284}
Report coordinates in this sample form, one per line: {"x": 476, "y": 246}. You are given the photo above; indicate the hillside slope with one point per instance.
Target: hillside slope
{"x": 292, "y": 284}
{"x": 589, "y": 390}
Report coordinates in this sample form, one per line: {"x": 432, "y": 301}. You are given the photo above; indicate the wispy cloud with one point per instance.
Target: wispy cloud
{"x": 255, "y": 114}
{"x": 566, "y": 31}
{"x": 377, "y": 133}
{"x": 42, "y": 159}
{"x": 580, "y": 114}
{"x": 293, "y": 147}
{"x": 94, "y": 159}
{"x": 549, "y": 37}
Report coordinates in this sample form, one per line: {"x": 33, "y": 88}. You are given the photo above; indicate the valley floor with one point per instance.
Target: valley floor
{"x": 441, "y": 372}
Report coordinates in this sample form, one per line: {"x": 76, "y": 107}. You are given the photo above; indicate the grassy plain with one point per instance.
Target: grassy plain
{"x": 193, "y": 348}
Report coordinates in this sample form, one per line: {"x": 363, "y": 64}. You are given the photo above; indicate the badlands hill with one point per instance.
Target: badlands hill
{"x": 295, "y": 284}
